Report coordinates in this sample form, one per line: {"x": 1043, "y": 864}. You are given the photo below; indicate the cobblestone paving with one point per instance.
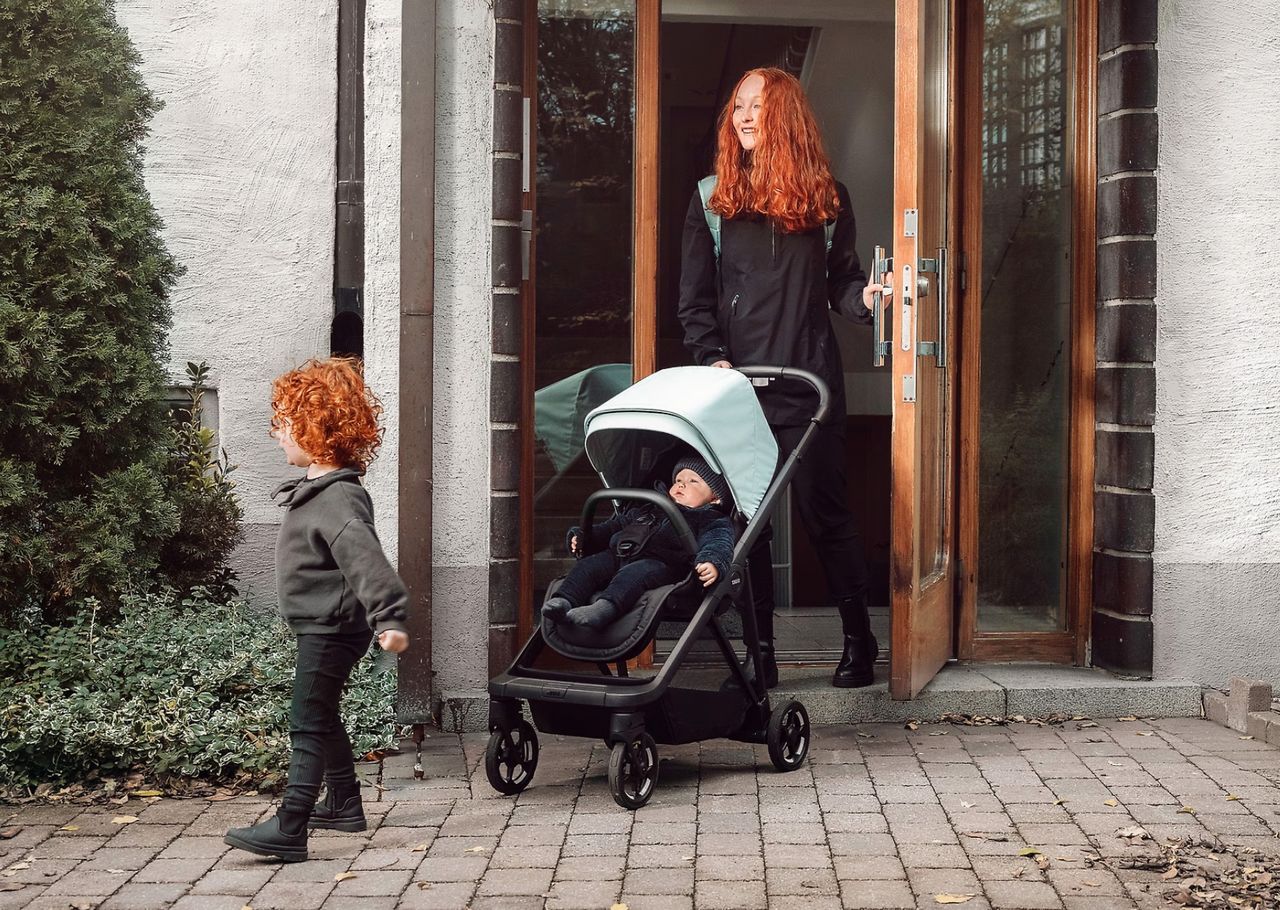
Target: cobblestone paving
{"x": 880, "y": 817}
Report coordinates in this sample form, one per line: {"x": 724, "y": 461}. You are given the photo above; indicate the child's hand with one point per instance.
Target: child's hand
{"x": 707, "y": 573}
{"x": 393, "y": 640}
{"x": 574, "y": 547}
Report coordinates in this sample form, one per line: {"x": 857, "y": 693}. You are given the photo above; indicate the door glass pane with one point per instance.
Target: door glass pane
{"x": 585, "y": 131}
{"x": 1026, "y": 310}
{"x": 932, "y": 389}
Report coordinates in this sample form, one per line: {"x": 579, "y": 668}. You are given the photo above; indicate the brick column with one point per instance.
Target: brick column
{"x": 1124, "y": 506}
{"x": 504, "y": 364}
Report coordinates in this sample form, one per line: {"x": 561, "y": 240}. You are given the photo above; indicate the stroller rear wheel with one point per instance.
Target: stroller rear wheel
{"x": 511, "y": 757}
{"x": 633, "y": 771}
{"x": 788, "y": 736}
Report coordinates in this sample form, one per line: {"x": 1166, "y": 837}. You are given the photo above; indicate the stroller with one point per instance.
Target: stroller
{"x": 630, "y": 440}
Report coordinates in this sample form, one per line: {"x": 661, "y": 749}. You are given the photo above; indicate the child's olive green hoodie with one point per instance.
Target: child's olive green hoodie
{"x": 331, "y": 573}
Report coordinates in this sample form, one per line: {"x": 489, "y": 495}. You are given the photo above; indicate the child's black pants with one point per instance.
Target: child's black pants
{"x": 321, "y": 748}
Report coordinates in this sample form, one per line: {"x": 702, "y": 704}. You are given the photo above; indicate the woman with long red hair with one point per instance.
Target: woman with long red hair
{"x": 760, "y": 293}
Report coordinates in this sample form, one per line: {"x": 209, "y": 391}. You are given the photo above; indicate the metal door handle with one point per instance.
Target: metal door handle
{"x": 880, "y": 266}
{"x": 937, "y": 349}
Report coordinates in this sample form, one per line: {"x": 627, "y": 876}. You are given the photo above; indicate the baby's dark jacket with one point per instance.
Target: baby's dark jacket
{"x": 331, "y": 573}
{"x": 711, "y": 528}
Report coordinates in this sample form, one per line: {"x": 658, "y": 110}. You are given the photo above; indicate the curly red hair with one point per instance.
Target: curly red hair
{"x": 332, "y": 414}
{"x": 787, "y": 176}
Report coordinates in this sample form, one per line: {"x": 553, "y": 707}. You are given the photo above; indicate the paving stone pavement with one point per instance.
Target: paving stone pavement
{"x": 879, "y": 817}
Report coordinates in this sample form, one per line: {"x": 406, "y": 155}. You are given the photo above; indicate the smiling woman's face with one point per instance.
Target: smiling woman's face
{"x": 746, "y": 110}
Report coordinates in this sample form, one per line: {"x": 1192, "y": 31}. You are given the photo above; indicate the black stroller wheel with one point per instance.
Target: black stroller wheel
{"x": 633, "y": 771}
{"x": 788, "y": 736}
{"x": 511, "y": 758}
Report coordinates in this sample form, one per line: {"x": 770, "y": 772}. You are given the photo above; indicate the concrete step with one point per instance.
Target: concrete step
{"x": 991, "y": 690}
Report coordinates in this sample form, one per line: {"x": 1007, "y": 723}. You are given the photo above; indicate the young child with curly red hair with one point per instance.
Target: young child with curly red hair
{"x": 336, "y": 589}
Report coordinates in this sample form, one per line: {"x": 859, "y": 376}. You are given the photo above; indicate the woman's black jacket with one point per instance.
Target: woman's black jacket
{"x": 767, "y": 302}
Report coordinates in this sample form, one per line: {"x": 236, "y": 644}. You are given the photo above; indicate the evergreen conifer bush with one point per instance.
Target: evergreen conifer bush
{"x": 86, "y": 507}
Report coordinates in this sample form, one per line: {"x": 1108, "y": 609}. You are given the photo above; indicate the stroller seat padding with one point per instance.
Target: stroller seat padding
{"x": 616, "y": 641}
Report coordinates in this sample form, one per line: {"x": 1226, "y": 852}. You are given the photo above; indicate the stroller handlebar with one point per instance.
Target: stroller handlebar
{"x": 812, "y": 379}
{"x": 638, "y": 494}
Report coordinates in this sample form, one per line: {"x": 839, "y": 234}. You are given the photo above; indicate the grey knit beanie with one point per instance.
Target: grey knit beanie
{"x": 699, "y": 466}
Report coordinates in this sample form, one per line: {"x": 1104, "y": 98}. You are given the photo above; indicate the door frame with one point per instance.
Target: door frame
{"x": 1069, "y": 646}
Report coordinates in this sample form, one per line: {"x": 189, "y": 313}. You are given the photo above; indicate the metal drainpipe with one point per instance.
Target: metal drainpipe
{"x": 346, "y": 334}
{"x": 414, "y": 699}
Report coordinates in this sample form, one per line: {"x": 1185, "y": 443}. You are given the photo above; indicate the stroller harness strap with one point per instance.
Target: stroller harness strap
{"x": 630, "y": 542}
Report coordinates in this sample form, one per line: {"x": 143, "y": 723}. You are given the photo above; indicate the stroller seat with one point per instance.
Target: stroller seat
{"x": 629, "y": 634}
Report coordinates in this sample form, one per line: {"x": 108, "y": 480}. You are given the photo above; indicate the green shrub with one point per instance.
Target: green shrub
{"x": 188, "y": 687}
{"x": 209, "y": 511}
{"x": 84, "y": 312}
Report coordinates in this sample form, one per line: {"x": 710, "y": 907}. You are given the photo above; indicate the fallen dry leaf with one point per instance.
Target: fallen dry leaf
{"x": 1030, "y": 851}
{"x": 1187, "y": 810}
{"x": 1059, "y": 802}
{"x": 946, "y": 898}
{"x": 476, "y": 850}
{"x": 1145, "y": 733}
{"x": 423, "y": 886}
{"x": 1231, "y": 797}
{"x": 343, "y": 876}
{"x": 1042, "y": 861}
{"x": 69, "y": 828}
{"x": 618, "y": 906}
{"x": 148, "y": 793}
{"x": 1110, "y": 802}
{"x": 117, "y": 871}
{"x": 1132, "y": 831}
{"x": 1019, "y": 872}
{"x": 8, "y": 833}
{"x": 1170, "y": 873}
{"x": 418, "y": 848}
{"x": 1246, "y": 737}
{"x": 1129, "y": 717}
{"x": 124, "y": 819}
{"x": 966, "y": 805}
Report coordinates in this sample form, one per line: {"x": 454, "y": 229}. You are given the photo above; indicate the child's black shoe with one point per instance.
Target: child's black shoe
{"x": 347, "y": 817}
{"x": 267, "y": 839}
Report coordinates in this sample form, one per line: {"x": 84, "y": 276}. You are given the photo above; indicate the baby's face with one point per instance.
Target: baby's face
{"x": 690, "y": 490}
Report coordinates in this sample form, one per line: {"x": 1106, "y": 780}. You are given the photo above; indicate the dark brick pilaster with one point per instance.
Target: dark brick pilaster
{"x": 1125, "y": 387}
{"x": 505, "y": 368}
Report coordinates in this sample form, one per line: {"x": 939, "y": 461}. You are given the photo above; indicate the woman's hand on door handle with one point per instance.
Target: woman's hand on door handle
{"x": 870, "y": 291}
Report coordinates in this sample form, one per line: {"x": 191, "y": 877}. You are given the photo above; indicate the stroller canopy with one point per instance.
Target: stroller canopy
{"x": 713, "y": 410}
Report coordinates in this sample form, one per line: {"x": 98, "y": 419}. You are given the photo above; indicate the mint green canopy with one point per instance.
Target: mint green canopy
{"x": 713, "y": 410}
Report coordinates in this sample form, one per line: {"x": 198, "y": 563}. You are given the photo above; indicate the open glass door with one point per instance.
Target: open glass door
{"x": 922, "y": 569}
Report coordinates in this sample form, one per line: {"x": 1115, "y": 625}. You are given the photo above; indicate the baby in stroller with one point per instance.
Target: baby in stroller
{"x": 639, "y": 549}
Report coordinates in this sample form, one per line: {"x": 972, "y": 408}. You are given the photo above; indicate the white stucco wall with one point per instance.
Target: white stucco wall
{"x": 240, "y": 164}
{"x": 1217, "y": 481}
{"x": 463, "y": 291}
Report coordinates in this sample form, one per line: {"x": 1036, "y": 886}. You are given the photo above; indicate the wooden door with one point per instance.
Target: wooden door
{"x": 922, "y": 568}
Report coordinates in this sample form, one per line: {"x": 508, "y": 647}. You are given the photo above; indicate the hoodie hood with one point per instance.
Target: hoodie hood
{"x": 298, "y": 491}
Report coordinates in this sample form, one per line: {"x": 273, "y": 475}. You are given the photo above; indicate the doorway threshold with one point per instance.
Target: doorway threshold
{"x": 991, "y": 690}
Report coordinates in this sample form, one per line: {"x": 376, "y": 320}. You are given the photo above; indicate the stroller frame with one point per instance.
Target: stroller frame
{"x": 624, "y": 710}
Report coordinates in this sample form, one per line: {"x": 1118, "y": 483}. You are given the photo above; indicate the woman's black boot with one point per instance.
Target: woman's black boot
{"x": 857, "y": 664}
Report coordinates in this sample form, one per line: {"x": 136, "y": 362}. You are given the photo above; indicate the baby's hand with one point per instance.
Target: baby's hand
{"x": 393, "y": 640}
{"x": 707, "y": 573}
{"x": 574, "y": 547}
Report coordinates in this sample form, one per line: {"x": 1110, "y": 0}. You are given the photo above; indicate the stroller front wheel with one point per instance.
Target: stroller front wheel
{"x": 511, "y": 757}
{"x": 788, "y": 736}
{"x": 633, "y": 771}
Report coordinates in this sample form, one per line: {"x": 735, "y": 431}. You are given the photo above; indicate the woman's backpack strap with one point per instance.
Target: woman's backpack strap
{"x": 707, "y": 186}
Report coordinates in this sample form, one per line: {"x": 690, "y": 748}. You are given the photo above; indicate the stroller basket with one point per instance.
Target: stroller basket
{"x": 715, "y": 412}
